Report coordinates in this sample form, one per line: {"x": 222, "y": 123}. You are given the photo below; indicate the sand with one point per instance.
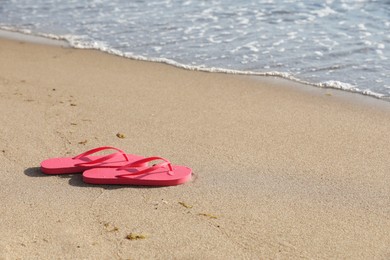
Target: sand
{"x": 281, "y": 170}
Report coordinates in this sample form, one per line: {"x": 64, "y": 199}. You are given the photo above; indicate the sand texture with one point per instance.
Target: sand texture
{"x": 281, "y": 171}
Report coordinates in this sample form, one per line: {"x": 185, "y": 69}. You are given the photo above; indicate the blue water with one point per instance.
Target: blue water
{"x": 339, "y": 44}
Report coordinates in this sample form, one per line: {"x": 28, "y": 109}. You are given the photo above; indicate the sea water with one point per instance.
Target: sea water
{"x": 341, "y": 44}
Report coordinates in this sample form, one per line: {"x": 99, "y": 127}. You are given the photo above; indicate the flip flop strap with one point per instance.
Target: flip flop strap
{"x": 147, "y": 170}
{"x": 101, "y": 159}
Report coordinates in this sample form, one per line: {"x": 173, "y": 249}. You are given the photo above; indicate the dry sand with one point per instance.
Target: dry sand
{"x": 281, "y": 171}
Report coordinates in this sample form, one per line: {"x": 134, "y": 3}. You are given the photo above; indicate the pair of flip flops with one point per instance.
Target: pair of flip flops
{"x": 119, "y": 168}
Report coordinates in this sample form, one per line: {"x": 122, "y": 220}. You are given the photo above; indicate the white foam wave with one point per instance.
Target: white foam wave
{"x": 81, "y": 42}
{"x": 326, "y": 84}
{"x": 350, "y": 88}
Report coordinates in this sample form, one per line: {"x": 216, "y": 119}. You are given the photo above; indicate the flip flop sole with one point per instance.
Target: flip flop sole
{"x": 159, "y": 177}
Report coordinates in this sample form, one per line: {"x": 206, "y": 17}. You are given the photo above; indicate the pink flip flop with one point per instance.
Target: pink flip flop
{"x": 161, "y": 174}
{"x": 86, "y": 161}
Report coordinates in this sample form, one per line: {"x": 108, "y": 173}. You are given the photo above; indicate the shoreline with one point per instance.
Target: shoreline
{"x": 30, "y": 38}
{"x": 338, "y": 94}
{"x": 45, "y": 40}
{"x": 281, "y": 171}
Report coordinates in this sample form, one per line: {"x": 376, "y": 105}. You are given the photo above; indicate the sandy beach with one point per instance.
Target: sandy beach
{"x": 281, "y": 170}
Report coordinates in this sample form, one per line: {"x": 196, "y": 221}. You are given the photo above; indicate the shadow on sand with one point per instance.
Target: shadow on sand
{"x": 76, "y": 179}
